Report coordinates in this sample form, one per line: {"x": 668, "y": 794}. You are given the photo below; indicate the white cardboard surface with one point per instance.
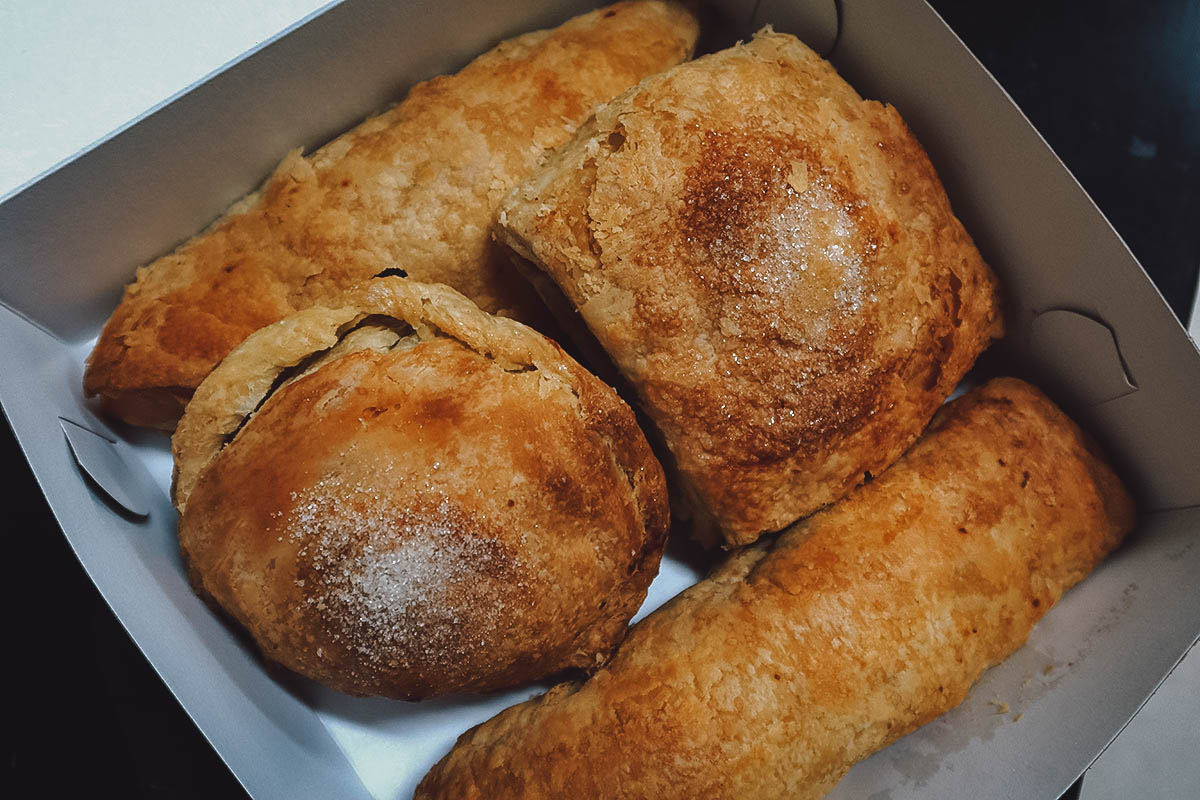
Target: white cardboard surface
{"x": 135, "y": 564}
{"x": 1145, "y": 760}
{"x": 1194, "y": 323}
{"x": 47, "y": 66}
{"x": 72, "y": 72}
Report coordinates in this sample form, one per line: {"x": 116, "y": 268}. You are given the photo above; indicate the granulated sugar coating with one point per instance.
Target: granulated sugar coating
{"x": 775, "y": 239}
{"x": 391, "y": 576}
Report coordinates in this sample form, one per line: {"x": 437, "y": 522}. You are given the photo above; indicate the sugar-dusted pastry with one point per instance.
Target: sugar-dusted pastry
{"x": 414, "y": 188}
{"x": 405, "y": 496}
{"x": 772, "y": 264}
{"x": 803, "y": 655}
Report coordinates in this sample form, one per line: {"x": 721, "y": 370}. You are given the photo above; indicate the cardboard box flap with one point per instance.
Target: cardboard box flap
{"x": 100, "y": 460}
{"x": 1084, "y": 362}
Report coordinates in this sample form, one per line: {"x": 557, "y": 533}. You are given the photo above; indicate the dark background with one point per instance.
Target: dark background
{"x": 1113, "y": 86}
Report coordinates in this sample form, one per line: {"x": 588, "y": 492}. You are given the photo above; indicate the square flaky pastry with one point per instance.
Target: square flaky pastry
{"x": 772, "y": 264}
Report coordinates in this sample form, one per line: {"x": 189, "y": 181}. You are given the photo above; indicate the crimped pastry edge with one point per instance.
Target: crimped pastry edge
{"x": 246, "y": 377}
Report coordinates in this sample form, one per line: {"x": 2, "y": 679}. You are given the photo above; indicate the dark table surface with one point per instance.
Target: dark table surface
{"x": 1113, "y": 85}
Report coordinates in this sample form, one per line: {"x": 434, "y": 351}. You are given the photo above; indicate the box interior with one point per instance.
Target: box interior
{"x": 1084, "y": 322}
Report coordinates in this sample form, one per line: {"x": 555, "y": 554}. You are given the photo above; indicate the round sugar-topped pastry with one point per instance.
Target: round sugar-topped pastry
{"x": 408, "y": 497}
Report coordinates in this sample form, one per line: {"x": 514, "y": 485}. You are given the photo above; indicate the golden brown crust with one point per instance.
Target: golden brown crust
{"x": 802, "y": 655}
{"x": 442, "y": 501}
{"x": 773, "y": 264}
{"x": 244, "y": 378}
{"x": 413, "y": 188}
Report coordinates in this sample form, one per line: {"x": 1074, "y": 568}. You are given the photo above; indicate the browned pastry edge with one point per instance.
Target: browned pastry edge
{"x": 687, "y": 511}
{"x": 242, "y": 381}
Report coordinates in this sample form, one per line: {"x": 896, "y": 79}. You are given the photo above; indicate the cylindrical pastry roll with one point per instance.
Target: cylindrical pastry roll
{"x": 425, "y": 498}
{"x": 773, "y": 265}
{"x": 414, "y": 188}
{"x": 804, "y": 654}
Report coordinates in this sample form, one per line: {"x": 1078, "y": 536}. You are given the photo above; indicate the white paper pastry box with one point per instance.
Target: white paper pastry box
{"x": 1085, "y": 323}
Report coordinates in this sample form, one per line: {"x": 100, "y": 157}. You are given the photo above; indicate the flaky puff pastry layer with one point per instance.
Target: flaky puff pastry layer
{"x": 405, "y": 496}
{"x": 802, "y": 655}
{"x": 772, "y": 264}
{"x": 414, "y": 188}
